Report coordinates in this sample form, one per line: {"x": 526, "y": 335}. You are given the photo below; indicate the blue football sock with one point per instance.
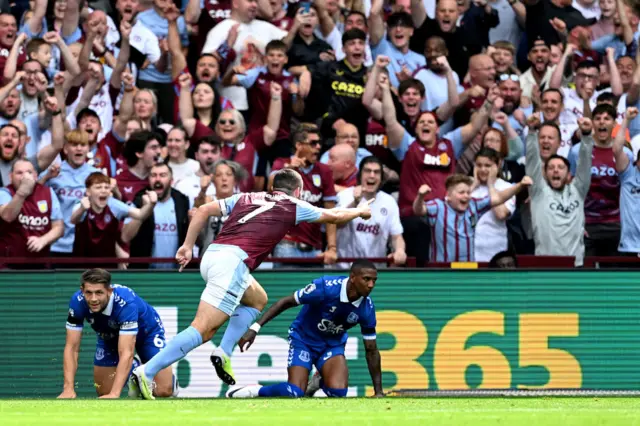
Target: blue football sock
{"x": 239, "y": 323}
{"x": 335, "y": 393}
{"x": 281, "y": 389}
{"x": 175, "y": 350}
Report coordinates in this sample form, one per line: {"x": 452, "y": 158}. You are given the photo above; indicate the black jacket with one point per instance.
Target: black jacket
{"x": 142, "y": 243}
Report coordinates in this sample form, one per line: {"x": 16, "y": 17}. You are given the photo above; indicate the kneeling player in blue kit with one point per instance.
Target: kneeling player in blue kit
{"x": 318, "y": 335}
{"x": 124, "y": 323}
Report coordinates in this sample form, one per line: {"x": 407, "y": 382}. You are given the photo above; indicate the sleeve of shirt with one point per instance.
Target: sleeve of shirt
{"x": 56, "y": 212}
{"x": 406, "y": 142}
{"x": 624, "y": 176}
{"x": 227, "y": 204}
{"x": 368, "y": 321}
{"x": 432, "y": 211}
{"x": 119, "y": 209}
{"x": 5, "y": 196}
{"x": 328, "y": 187}
{"x": 76, "y": 207}
{"x": 184, "y": 34}
{"x": 381, "y": 47}
{"x": 311, "y": 294}
{"x": 601, "y": 44}
{"x": 455, "y": 136}
{"x": 344, "y": 198}
{"x": 324, "y": 159}
{"x": 128, "y": 319}
{"x": 249, "y": 78}
{"x": 75, "y": 319}
{"x": 305, "y": 212}
{"x": 573, "y": 158}
{"x": 482, "y": 205}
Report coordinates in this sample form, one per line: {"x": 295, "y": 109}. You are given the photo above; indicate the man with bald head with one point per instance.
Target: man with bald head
{"x": 30, "y": 216}
{"x": 342, "y": 162}
{"x": 482, "y": 76}
{"x": 445, "y": 26}
{"x": 348, "y": 134}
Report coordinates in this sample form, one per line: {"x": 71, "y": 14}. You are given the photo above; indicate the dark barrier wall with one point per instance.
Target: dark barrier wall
{"x": 436, "y": 330}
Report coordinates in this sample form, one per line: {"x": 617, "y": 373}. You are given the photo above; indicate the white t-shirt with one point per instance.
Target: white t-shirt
{"x": 491, "y": 233}
{"x": 145, "y": 41}
{"x": 184, "y": 170}
{"x": 190, "y": 186}
{"x": 573, "y": 104}
{"x": 368, "y": 238}
{"x": 257, "y": 33}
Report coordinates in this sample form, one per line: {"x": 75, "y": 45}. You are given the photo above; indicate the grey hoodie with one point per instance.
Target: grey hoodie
{"x": 558, "y": 216}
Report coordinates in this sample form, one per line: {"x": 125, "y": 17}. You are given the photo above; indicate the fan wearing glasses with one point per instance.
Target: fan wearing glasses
{"x": 512, "y": 103}
{"x": 305, "y": 240}
{"x": 587, "y": 79}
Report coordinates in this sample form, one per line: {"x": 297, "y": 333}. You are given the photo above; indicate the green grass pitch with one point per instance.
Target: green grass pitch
{"x": 351, "y": 411}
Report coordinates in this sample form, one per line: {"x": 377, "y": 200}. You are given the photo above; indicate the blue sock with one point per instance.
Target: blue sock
{"x": 239, "y": 323}
{"x": 175, "y": 350}
{"x": 335, "y": 393}
{"x": 281, "y": 389}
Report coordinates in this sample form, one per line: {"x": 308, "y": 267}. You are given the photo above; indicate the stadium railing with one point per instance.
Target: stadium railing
{"x": 524, "y": 261}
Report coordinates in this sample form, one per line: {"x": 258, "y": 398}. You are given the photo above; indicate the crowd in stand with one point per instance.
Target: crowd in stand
{"x": 479, "y": 127}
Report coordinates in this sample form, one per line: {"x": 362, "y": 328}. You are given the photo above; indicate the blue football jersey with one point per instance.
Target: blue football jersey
{"x": 327, "y": 313}
{"x": 126, "y": 313}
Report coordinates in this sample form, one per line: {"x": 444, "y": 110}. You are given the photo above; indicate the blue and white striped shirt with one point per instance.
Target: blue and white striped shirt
{"x": 452, "y": 232}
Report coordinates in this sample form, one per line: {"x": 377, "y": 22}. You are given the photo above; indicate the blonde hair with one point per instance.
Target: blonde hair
{"x": 77, "y": 137}
{"x": 154, "y": 98}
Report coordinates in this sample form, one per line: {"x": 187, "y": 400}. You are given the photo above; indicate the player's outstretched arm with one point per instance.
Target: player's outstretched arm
{"x": 70, "y": 363}
{"x": 198, "y": 221}
{"x": 372, "y": 354}
{"x": 340, "y": 216}
{"x": 126, "y": 347}
{"x": 274, "y": 310}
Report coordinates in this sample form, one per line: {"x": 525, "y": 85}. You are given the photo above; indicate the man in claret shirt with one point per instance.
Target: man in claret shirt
{"x": 305, "y": 240}
{"x": 602, "y": 204}
{"x": 342, "y": 162}
{"x": 30, "y": 217}
{"x": 8, "y": 32}
{"x": 142, "y": 152}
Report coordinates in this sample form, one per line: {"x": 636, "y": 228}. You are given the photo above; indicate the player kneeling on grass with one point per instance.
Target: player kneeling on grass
{"x": 318, "y": 335}
{"x": 125, "y": 324}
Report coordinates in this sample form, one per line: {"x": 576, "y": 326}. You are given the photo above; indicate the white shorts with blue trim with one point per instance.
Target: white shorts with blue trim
{"x": 227, "y": 277}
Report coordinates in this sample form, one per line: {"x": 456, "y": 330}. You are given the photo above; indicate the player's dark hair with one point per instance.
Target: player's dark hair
{"x": 276, "y": 45}
{"x": 87, "y": 112}
{"x": 96, "y": 276}
{"x": 357, "y": 12}
{"x": 183, "y": 130}
{"x": 164, "y": 164}
{"x": 489, "y": 153}
{"x": 136, "y": 144}
{"x": 604, "y": 109}
{"x": 287, "y": 181}
{"x": 557, "y": 157}
{"x": 360, "y": 264}
{"x": 551, "y": 124}
{"x": 371, "y": 159}
{"x": 587, "y": 63}
{"x": 11, "y": 126}
{"x": 411, "y": 83}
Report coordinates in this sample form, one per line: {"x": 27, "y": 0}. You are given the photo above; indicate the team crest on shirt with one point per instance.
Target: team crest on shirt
{"x": 442, "y": 146}
{"x": 43, "y": 206}
{"x": 99, "y": 354}
{"x": 383, "y": 211}
{"x": 352, "y": 318}
{"x": 107, "y": 218}
{"x": 317, "y": 180}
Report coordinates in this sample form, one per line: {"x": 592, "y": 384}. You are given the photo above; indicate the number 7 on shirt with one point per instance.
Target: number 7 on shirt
{"x": 266, "y": 205}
